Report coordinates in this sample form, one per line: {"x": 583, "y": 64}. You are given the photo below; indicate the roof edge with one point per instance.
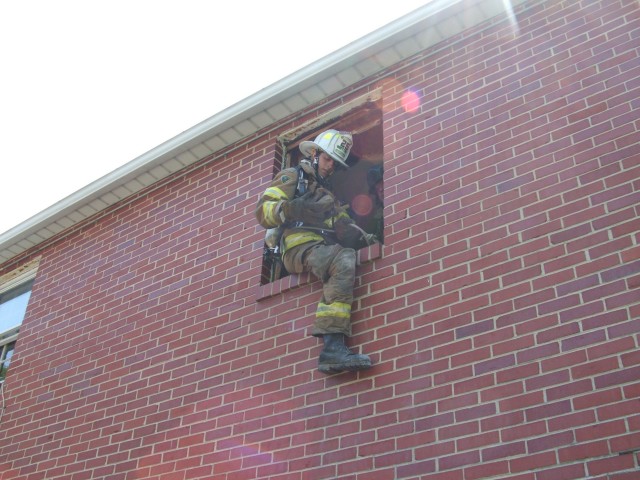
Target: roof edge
{"x": 403, "y": 27}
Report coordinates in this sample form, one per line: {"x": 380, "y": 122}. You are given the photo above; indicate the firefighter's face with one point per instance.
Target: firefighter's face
{"x": 326, "y": 165}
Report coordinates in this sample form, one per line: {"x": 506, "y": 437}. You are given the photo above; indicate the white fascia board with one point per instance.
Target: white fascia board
{"x": 305, "y": 78}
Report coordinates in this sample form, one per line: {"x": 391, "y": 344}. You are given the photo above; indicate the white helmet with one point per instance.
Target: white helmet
{"x": 334, "y": 143}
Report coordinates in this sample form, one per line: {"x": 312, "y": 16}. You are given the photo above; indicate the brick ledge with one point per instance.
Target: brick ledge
{"x": 364, "y": 255}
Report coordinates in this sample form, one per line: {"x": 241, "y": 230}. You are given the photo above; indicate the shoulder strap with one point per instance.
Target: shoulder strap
{"x": 301, "y": 187}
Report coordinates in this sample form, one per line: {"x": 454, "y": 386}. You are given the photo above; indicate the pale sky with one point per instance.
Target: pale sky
{"x": 87, "y": 86}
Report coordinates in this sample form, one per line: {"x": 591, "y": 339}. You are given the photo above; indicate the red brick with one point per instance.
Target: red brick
{"x": 416, "y": 468}
{"x": 625, "y": 443}
{"x": 611, "y": 464}
{"x": 501, "y": 311}
{"x": 436, "y": 450}
{"x": 532, "y": 462}
{"x": 550, "y": 442}
{"x": 486, "y": 469}
{"x": 566, "y": 472}
{"x": 505, "y": 450}
{"x": 615, "y": 378}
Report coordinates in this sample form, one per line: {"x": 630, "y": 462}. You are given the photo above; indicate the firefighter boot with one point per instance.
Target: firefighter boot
{"x": 335, "y": 357}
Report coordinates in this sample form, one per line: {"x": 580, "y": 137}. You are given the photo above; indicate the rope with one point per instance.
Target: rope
{"x": 2, "y": 400}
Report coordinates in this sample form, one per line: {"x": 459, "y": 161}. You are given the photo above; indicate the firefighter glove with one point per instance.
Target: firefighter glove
{"x": 347, "y": 233}
{"x": 307, "y": 209}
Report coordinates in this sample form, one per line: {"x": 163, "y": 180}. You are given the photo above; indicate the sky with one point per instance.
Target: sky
{"x": 88, "y": 86}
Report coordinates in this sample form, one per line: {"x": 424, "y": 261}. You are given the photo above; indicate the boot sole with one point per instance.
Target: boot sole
{"x": 329, "y": 368}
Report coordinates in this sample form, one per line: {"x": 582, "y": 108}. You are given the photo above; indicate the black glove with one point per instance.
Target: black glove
{"x": 348, "y": 235}
{"x": 306, "y": 209}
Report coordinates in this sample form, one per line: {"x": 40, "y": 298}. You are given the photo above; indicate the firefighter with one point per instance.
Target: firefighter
{"x": 317, "y": 236}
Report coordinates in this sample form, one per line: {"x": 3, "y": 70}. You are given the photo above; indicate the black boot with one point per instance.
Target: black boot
{"x": 335, "y": 357}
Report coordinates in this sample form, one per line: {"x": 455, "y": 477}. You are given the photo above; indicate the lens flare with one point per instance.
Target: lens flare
{"x": 362, "y": 205}
{"x": 410, "y": 101}
{"x": 508, "y": 7}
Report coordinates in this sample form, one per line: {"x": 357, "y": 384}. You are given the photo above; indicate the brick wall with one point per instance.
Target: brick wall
{"x": 502, "y": 313}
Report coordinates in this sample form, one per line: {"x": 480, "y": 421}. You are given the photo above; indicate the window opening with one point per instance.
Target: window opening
{"x": 6, "y": 351}
{"x": 360, "y": 187}
{"x": 13, "y": 306}
{"x": 15, "y": 292}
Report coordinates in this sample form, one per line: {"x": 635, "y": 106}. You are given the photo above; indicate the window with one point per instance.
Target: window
{"x": 13, "y": 306}
{"x": 355, "y": 187}
{"x": 15, "y": 291}
{"x": 5, "y": 358}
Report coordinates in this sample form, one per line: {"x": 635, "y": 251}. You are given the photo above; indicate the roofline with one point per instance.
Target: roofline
{"x": 374, "y": 42}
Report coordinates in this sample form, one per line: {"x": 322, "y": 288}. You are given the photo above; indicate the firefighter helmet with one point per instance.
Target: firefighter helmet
{"x": 334, "y": 143}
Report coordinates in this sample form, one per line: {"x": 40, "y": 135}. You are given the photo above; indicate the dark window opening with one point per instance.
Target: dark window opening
{"x": 360, "y": 186}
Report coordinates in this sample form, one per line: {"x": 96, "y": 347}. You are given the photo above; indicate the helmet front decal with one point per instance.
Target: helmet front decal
{"x": 332, "y": 142}
{"x": 343, "y": 147}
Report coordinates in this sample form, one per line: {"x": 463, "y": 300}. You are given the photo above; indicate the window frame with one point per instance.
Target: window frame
{"x": 353, "y": 114}
{"x": 7, "y": 345}
{"x": 8, "y": 282}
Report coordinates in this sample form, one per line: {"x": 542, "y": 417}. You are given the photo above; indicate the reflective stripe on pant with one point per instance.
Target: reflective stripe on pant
{"x": 335, "y": 266}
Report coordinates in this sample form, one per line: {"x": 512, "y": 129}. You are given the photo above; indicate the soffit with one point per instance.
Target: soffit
{"x": 381, "y": 49}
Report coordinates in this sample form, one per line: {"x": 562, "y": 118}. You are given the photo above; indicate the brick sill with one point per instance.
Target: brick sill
{"x": 363, "y": 255}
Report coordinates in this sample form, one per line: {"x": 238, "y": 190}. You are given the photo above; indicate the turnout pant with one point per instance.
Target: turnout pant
{"x": 335, "y": 266}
